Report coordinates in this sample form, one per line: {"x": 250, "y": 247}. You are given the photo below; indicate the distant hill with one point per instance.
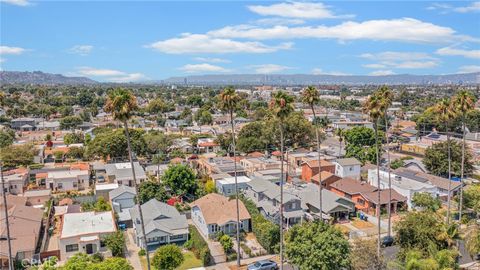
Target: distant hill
{"x": 305, "y": 79}
{"x": 38, "y": 77}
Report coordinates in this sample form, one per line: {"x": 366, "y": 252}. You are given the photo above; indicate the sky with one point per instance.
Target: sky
{"x": 128, "y": 41}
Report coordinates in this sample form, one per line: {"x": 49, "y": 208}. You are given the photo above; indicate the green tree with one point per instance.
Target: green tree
{"x": 203, "y": 117}
{"x": 157, "y": 142}
{"x": 226, "y": 242}
{"x": 116, "y": 243}
{"x": 436, "y": 159}
{"x": 112, "y": 143}
{"x": 7, "y": 137}
{"x": 18, "y": 155}
{"x": 157, "y": 106}
{"x": 75, "y": 137}
{"x": 472, "y": 241}
{"x": 251, "y": 137}
{"x": 426, "y": 201}
{"x": 167, "y": 257}
{"x": 181, "y": 179}
{"x": 210, "y": 186}
{"x": 148, "y": 190}
{"x": 363, "y": 255}
{"x": 360, "y": 144}
{"x": 317, "y": 246}
{"x": 85, "y": 98}
{"x": 112, "y": 264}
{"x": 121, "y": 103}
{"x": 76, "y": 152}
{"x": 70, "y": 122}
{"x": 471, "y": 197}
{"x": 101, "y": 205}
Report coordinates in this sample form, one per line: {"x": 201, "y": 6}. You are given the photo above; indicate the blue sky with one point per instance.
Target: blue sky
{"x": 135, "y": 41}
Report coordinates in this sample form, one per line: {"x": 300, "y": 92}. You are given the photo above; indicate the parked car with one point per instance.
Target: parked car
{"x": 263, "y": 265}
{"x": 387, "y": 241}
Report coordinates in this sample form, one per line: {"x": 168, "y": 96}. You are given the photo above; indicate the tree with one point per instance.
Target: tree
{"x": 85, "y": 98}
{"x": 228, "y": 103}
{"x": 75, "y": 137}
{"x": 101, "y": 205}
{"x": 436, "y": 159}
{"x": 363, "y": 255}
{"x": 317, "y": 246}
{"x": 181, "y": 179}
{"x": 210, "y": 186}
{"x": 70, "y": 122}
{"x": 121, "y": 103}
{"x": 281, "y": 106}
{"x": 112, "y": 264}
{"x": 360, "y": 144}
{"x": 7, "y": 137}
{"x": 203, "y": 117}
{"x": 76, "y": 152}
{"x": 112, "y": 143}
{"x": 226, "y": 242}
{"x": 157, "y": 142}
{"x": 426, "y": 201}
{"x": 167, "y": 257}
{"x": 463, "y": 103}
{"x": 340, "y": 133}
{"x": 250, "y": 137}
{"x": 18, "y": 155}
{"x": 472, "y": 241}
{"x": 471, "y": 197}
{"x": 157, "y": 106}
{"x": 116, "y": 243}
{"x": 148, "y": 190}
{"x": 311, "y": 97}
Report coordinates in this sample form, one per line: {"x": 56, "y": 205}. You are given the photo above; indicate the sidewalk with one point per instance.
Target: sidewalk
{"x": 131, "y": 254}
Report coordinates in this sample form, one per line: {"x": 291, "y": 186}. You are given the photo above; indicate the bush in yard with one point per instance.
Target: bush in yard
{"x": 142, "y": 252}
{"x": 115, "y": 242}
{"x": 226, "y": 242}
{"x": 167, "y": 257}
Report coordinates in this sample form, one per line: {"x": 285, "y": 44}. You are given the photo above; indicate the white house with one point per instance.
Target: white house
{"x": 83, "y": 232}
{"x": 123, "y": 199}
{"x": 348, "y": 167}
{"x": 68, "y": 180}
{"x": 15, "y": 182}
{"x": 213, "y": 213}
{"x": 121, "y": 173}
{"x": 226, "y": 186}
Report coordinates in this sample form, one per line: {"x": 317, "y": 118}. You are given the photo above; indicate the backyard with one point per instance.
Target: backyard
{"x": 189, "y": 262}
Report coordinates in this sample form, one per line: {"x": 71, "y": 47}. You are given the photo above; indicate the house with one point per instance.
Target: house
{"x": 25, "y": 227}
{"x": 37, "y": 196}
{"x": 15, "y": 180}
{"x": 67, "y": 180}
{"x": 84, "y": 232}
{"x": 253, "y": 164}
{"x": 226, "y": 186}
{"x": 121, "y": 173}
{"x": 103, "y": 190}
{"x": 122, "y": 200}
{"x": 310, "y": 168}
{"x": 213, "y": 213}
{"x": 328, "y": 178}
{"x": 348, "y": 167}
{"x": 266, "y": 196}
{"x": 162, "y": 222}
{"x": 23, "y": 124}
{"x": 207, "y": 145}
{"x": 365, "y": 196}
{"x": 216, "y": 165}
{"x": 346, "y": 125}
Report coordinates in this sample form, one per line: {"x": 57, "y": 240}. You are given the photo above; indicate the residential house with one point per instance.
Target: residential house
{"x": 216, "y": 165}
{"x": 226, "y": 186}
{"x": 207, "y": 145}
{"x": 213, "y": 213}
{"x": 15, "y": 180}
{"x": 67, "y": 180}
{"x": 122, "y": 200}
{"x": 348, "y": 167}
{"x": 103, "y": 190}
{"x": 365, "y": 196}
{"x": 311, "y": 168}
{"x": 37, "y": 196}
{"x": 84, "y": 232}
{"x": 346, "y": 125}
{"x": 162, "y": 222}
{"x": 23, "y": 124}
{"x": 252, "y": 165}
{"x": 121, "y": 173}
{"x": 328, "y": 178}
{"x": 25, "y": 227}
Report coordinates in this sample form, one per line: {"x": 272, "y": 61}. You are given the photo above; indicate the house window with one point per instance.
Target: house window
{"x": 71, "y": 248}
{"x": 74, "y": 184}
{"x": 360, "y": 201}
{"x": 174, "y": 237}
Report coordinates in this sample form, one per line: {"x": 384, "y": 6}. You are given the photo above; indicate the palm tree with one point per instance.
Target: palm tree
{"x": 386, "y": 99}
{"x": 121, "y": 103}
{"x": 311, "y": 97}
{"x": 229, "y": 100}
{"x": 445, "y": 114}
{"x": 281, "y": 106}
{"x": 463, "y": 103}
{"x": 374, "y": 108}
{"x": 340, "y": 132}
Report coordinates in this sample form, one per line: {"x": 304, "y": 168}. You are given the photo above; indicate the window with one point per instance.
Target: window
{"x": 174, "y": 237}
{"x": 60, "y": 185}
{"x": 71, "y": 248}
{"x": 360, "y": 201}
{"x": 74, "y": 184}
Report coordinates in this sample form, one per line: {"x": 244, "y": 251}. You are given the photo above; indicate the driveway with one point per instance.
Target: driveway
{"x": 131, "y": 253}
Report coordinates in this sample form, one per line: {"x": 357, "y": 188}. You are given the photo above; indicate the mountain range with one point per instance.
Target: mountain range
{"x": 38, "y": 77}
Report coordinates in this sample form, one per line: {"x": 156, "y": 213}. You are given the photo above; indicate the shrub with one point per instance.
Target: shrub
{"x": 167, "y": 257}
{"x": 226, "y": 242}
{"x": 198, "y": 246}
{"x": 231, "y": 256}
{"x": 142, "y": 252}
{"x": 246, "y": 249}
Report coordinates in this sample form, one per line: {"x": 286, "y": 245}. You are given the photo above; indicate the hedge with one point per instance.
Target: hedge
{"x": 266, "y": 232}
{"x": 198, "y": 246}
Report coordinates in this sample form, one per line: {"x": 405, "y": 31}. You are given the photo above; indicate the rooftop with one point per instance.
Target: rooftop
{"x": 77, "y": 224}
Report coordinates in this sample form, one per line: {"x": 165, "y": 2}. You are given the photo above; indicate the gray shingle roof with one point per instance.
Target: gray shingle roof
{"x": 123, "y": 171}
{"x": 120, "y": 190}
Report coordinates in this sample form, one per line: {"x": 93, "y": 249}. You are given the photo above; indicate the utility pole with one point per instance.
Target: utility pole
{"x": 4, "y": 195}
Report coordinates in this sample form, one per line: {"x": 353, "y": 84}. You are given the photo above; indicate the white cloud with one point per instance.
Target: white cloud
{"x": 403, "y": 60}
{"x": 110, "y": 75}
{"x": 269, "y": 68}
{"x": 469, "y": 69}
{"x": 319, "y": 71}
{"x": 404, "y": 30}
{"x": 195, "y": 68}
{"x": 211, "y": 60}
{"x": 459, "y": 52}
{"x": 278, "y": 21}
{"x": 198, "y": 43}
{"x": 21, "y": 3}
{"x": 473, "y": 7}
{"x": 81, "y": 49}
{"x": 381, "y": 73}
{"x": 11, "y": 50}
{"x": 304, "y": 10}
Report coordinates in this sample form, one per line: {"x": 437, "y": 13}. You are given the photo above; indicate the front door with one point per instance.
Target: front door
{"x": 90, "y": 248}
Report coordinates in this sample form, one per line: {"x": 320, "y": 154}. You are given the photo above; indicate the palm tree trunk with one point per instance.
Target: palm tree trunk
{"x": 236, "y": 187}
{"x": 389, "y": 210}
{"x": 462, "y": 171}
{"x": 5, "y": 208}
{"x": 140, "y": 213}
{"x": 449, "y": 177}
{"x": 320, "y": 208}
{"x": 378, "y": 186}
{"x": 281, "y": 196}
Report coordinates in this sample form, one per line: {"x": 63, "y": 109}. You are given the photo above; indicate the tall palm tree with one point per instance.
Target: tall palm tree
{"x": 281, "y": 106}
{"x": 374, "y": 108}
{"x": 310, "y": 96}
{"x": 445, "y": 114}
{"x": 463, "y": 102}
{"x": 386, "y": 99}
{"x": 121, "y": 103}
{"x": 228, "y": 102}
{"x": 340, "y": 132}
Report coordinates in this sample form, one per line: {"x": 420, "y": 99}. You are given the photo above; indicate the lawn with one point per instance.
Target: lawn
{"x": 189, "y": 262}
{"x": 361, "y": 224}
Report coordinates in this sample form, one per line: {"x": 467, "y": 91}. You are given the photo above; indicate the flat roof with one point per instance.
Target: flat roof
{"x": 78, "y": 224}
{"x": 106, "y": 186}
{"x": 231, "y": 180}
